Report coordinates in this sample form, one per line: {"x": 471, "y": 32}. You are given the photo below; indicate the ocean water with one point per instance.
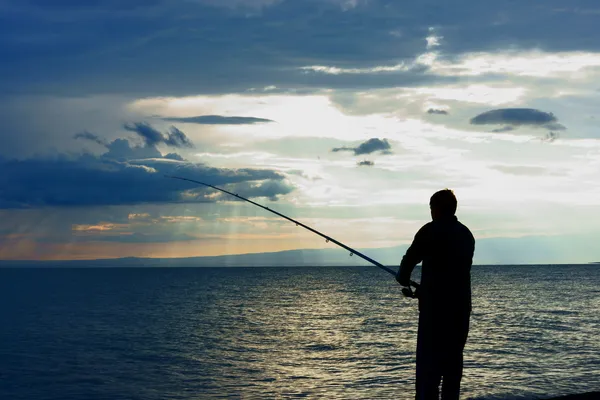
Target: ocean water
{"x": 275, "y": 333}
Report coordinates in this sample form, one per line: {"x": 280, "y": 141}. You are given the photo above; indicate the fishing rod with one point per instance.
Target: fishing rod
{"x": 407, "y": 290}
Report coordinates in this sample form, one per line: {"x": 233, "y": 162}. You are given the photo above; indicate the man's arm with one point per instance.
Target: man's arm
{"x": 413, "y": 256}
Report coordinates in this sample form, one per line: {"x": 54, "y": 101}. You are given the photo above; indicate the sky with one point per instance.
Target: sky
{"x": 345, "y": 114}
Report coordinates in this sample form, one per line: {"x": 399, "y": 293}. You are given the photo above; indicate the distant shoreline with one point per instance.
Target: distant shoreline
{"x": 189, "y": 263}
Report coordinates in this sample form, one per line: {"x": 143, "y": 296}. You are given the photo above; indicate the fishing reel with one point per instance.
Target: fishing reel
{"x": 408, "y": 291}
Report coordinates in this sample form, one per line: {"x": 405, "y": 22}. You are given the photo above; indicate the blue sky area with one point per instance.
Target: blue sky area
{"x": 345, "y": 114}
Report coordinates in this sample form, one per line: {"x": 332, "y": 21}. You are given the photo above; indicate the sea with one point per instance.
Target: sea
{"x": 284, "y": 333}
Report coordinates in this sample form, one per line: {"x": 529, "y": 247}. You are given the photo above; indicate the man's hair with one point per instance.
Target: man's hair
{"x": 444, "y": 201}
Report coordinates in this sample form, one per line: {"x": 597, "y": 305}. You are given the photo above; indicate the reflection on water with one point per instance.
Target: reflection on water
{"x": 328, "y": 333}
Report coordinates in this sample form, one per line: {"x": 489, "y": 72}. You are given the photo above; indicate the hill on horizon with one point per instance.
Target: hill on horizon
{"x": 524, "y": 250}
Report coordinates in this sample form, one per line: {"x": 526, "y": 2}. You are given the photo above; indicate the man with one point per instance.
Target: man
{"x": 446, "y": 247}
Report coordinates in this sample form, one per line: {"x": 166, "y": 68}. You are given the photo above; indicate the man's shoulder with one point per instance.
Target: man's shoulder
{"x": 425, "y": 228}
{"x": 462, "y": 225}
{"x": 465, "y": 229}
{"x": 430, "y": 228}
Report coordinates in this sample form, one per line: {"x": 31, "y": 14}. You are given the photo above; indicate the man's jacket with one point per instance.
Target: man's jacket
{"x": 445, "y": 247}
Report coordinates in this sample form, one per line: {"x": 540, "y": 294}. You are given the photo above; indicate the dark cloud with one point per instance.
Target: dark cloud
{"x": 336, "y": 149}
{"x": 514, "y": 117}
{"x": 368, "y": 147}
{"x": 372, "y": 145}
{"x": 177, "y": 138}
{"x": 99, "y": 48}
{"x": 153, "y": 137}
{"x": 174, "y": 156}
{"x": 123, "y": 175}
{"x": 217, "y": 120}
{"x": 555, "y": 126}
{"x": 90, "y": 136}
{"x": 437, "y": 111}
{"x": 506, "y": 128}
{"x": 365, "y": 163}
{"x": 121, "y": 150}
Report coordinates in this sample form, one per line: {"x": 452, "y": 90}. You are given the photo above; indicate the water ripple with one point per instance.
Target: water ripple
{"x": 319, "y": 333}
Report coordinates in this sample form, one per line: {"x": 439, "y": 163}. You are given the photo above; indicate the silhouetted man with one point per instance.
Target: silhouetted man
{"x": 446, "y": 247}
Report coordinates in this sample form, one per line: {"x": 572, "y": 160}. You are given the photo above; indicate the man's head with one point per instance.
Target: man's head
{"x": 442, "y": 204}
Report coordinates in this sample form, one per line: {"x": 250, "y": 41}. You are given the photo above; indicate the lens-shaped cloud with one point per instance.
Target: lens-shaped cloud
{"x": 437, "y": 111}
{"x": 514, "y": 117}
{"x": 368, "y": 147}
{"x": 217, "y": 120}
{"x": 365, "y": 163}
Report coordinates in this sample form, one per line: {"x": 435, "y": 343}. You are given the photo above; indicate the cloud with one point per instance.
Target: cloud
{"x": 330, "y": 70}
{"x": 128, "y": 237}
{"x": 125, "y": 175}
{"x": 121, "y": 149}
{"x": 92, "y": 137}
{"x": 174, "y": 156}
{"x": 372, "y": 145}
{"x": 217, "y": 120}
{"x": 270, "y": 50}
{"x": 522, "y": 170}
{"x": 555, "y": 126}
{"x": 368, "y": 147}
{"x": 506, "y": 128}
{"x": 530, "y": 63}
{"x": 515, "y": 117}
{"x": 152, "y": 137}
{"x": 239, "y": 4}
{"x": 550, "y": 137}
{"x": 437, "y": 111}
{"x": 268, "y": 188}
{"x": 365, "y": 163}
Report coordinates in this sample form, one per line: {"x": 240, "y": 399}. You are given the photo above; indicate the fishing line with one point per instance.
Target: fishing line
{"x": 298, "y": 223}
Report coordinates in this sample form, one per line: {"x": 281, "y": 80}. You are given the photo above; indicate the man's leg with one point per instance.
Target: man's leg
{"x": 452, "y": 377}
{"x": 453, "y": 359}
{"x": 427, "y": 382}
{"x": 428, "y": 372}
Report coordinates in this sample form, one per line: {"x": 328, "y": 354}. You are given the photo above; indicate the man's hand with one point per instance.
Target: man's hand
{"x": 408, "y": 292}
{"x": 401, "y": 281}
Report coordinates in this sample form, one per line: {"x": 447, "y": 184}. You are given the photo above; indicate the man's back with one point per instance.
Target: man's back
{"x": 448, "y": 250}
{"x": 446, "y": 247}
